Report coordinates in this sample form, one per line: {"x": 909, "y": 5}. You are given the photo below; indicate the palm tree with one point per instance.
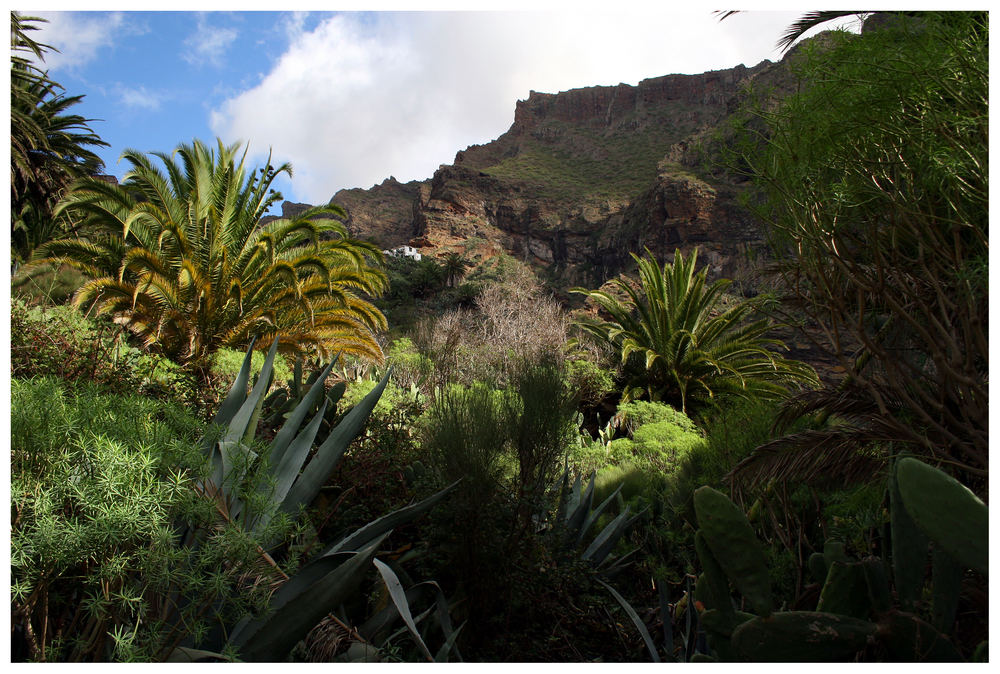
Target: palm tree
{"x": 679, "y": 345}
{"x": 804, "y": 23}
{"x": 453, "y": 265}
{"x": 180, "y": 258}
{"x": 49, "y": 147}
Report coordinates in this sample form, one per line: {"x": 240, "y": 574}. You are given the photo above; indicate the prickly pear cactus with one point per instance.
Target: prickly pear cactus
{"x": 855, "y": 610}
{"x": 732, "y": 542}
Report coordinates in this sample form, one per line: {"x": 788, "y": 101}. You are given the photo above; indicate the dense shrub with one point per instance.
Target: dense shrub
{"x": 60, "y": 341}
{"x": 47, "y": 284}
{"x": 99, "y": 485}
{"x": 636, "y": 413}
{"x": 372, "y": 469}
{"x": 590, "y": 381}
{"x": 63, "y": 342}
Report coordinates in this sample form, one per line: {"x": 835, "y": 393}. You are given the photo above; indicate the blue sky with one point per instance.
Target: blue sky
{"x": 351, "y": 98}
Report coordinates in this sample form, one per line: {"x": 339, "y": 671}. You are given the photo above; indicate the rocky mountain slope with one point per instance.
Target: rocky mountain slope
{"x": 584, "y": 177}
{"x": 580, "y": 179}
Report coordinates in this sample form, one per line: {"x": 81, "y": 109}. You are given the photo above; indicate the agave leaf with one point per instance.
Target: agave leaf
{"x": 296, "y": 382}
{"x": 666, "y": 619}
{"x": 288, "y": 469}
{"x": 299, "y": 604}
{"x": 182, "y": 654}
{"x": 336, "y": 392}
{"x": 442, "y": 654}
{"x": 240, "y": 427}
{"x": 398, "y": 597}
{"x": 383, "y": 619}
{"x": 237, "y": 392}
{"x": 444, "y": 620}
{"x": 319, "y": 469}
{"x": 636, "y": 620}
{"x": 574, "y": 498}
{"x": 610, "y": 569}
{"x": 404, "y": 629}
{"x": 561, "y": 511}
{"x": 582, "y": 506}
{"x": 388, "y": 522}
{"x": 605, "y": 541}
{"x": 592, "y": 516}
{"x": 233, "y": 453}
{"x": 291, "y": 426}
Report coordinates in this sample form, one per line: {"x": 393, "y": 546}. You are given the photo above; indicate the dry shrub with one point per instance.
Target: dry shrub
{"x": 514, "y": 320}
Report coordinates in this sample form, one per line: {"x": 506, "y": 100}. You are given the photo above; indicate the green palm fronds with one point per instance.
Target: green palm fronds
{"x": 50, "y": 146}
{"x": 178, "y": 254}
{"x": 679, "y": 345}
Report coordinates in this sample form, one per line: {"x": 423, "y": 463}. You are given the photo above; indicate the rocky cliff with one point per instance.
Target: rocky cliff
{"x": 580, "y": 179}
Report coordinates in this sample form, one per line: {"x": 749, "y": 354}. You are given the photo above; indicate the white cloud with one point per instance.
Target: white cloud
{"x": 293, "y": 25}
{"x": 365, "y": 96}
{"x": 78, "y": 36}
{"x": 208, "y": 43}
{"x": 140, "y": 98}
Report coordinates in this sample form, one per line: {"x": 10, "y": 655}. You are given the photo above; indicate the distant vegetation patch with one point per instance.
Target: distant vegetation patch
{"x": 583, "y": 162}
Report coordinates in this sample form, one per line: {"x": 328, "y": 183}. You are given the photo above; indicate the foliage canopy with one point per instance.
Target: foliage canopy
{"x": 874, "y": 180}
{"x": 679, "y": 345}
{"x": 181, "y": 258}
{"x": 50, "y": 147}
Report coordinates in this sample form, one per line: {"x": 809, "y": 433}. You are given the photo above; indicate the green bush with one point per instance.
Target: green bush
{"x": 99, "y": 483}
{"x": 61, "y": 341}
{"x": 226, "y": 365}
{"x": 409, "y": 366}
{"x": 632, "y": 415}
{"x": 591, "y": 382}
{"x": 48, "y": 284}
{"x": 666, "y": 444}
{"x": 636, "y": 482}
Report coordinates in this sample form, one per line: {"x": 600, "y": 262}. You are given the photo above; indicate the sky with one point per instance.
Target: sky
{"x": 350, "y": 98}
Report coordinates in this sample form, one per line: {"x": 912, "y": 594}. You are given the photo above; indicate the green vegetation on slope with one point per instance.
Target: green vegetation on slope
{"x": 584, "y": 163}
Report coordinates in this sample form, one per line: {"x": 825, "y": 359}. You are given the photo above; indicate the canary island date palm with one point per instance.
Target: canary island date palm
{"x": 180, "y": 257}
{"x": 50, "y": 146}
{"x": 678, "y": 344}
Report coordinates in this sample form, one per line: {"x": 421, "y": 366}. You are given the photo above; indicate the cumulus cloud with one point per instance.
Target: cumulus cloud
{"x": 208, "y": 44}
{"x": 365, "y": 96}
{"x": 79, "y": 37}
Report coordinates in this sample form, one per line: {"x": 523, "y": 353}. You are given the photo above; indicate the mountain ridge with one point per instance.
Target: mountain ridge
{"x": 579, "y": 179}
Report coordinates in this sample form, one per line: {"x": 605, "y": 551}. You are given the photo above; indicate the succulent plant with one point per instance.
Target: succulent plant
{"x": 855, "y": 608}
{"x": 298, "y": 473}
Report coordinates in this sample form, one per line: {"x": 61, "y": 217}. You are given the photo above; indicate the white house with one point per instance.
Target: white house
{"x": 404, "y": 251}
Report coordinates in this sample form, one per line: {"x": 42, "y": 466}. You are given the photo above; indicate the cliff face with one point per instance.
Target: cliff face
{"x": 580, "y": 179}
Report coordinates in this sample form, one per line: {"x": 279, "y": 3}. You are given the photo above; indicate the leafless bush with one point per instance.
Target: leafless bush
{"x": 515, "y": 319}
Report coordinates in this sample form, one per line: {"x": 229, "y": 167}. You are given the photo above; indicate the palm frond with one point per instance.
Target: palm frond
{"x": 806, "y": 23}
{"x": 838, "y": 456}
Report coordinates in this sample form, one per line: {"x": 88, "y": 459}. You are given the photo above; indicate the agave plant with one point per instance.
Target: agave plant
{"x": 298, "y": 471}
{"x": 575, "y": 518}
{"x": 182, "y": 259}
{"x": 679, "y": 345}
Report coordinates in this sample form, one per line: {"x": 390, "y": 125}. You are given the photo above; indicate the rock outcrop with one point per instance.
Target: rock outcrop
{"x": 585, "y": 177}
{"x": 580, "y": 179}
